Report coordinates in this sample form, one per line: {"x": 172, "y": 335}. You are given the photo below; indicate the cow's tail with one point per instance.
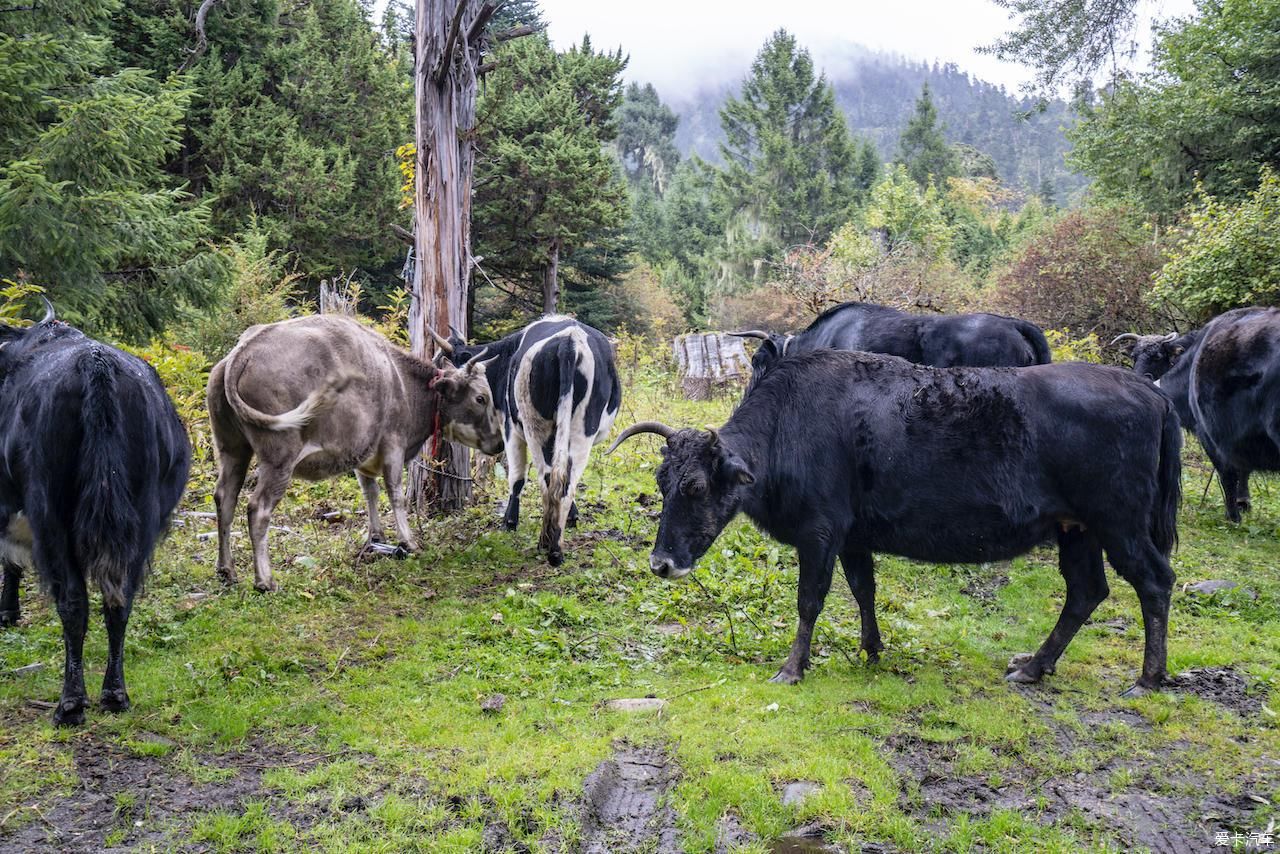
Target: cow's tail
{"x": 109, "y": 537}
{"x": 1034, "y": 336}
{"x": 1164, "y": 522}
{"x": 557, "y": 486}
{"x": 319, "y": 401}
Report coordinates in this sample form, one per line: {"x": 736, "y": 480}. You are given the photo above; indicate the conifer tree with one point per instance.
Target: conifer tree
{"x": 922, "y": 147}
{"x": 86, "y": 210}
{"x": 792, "y": 171}
{"x": 548, "y": 196}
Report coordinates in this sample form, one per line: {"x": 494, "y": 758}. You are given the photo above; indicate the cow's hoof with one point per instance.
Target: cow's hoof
{"x": 1018, "y": 661}
{"x": 787, "y": 677}
{"x": 268, "y": 587}
{"x": 1022, "y": 677}
{"x": 115, "y": 701}
{"x": 1244, "y": 504}
{"x": 873, "y": 656}
{"x": 228, "y": 577}
{"x": 1139, "y": 690}
{"x": 510, "y": 524}
{"x": 70, "y": 712}
{"x": 8, "y": 618}
{"x": 555, "y": 557}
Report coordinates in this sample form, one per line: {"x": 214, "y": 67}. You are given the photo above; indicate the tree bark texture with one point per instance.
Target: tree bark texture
{"x": 551, "y": 279}
{"x": 448, "y": 47}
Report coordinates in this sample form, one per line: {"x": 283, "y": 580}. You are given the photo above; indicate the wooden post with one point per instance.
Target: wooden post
{"x": 710, "y": 362}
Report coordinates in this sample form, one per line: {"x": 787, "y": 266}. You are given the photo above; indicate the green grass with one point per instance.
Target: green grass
{"x": 361, "y": 683}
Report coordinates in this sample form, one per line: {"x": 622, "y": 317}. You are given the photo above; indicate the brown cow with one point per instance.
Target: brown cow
{"x": 345, "y": 398}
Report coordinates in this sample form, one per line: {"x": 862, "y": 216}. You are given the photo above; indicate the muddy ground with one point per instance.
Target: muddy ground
{"x": 124, "y": 800}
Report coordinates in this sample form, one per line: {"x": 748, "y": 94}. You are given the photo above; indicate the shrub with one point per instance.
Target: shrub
{"x": 1089, "y": 274}
{"x": 1230, "y": 256}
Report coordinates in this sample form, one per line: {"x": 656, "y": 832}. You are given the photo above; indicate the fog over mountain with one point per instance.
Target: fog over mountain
{"x": 877, "y": 93}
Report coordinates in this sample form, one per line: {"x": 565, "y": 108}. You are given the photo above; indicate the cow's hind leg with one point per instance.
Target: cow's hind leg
{"x": 67, "y": 584}
{"x": 816, "y": 566}
{"x": 579, "y": 450}
{"x": 392, "y": 475}
{"x": 1080, "y": 562}
{"x": 9, "y": 609}
{"x": 859, "y": 571}
{"x": 517, "y": 467}
{"x": 114, "y": 696}
{"x": 369, "y": 486}
{"x": 233, "y": 466}
{"x": 1152, "y": 578}
{"x": 273, "y": 480}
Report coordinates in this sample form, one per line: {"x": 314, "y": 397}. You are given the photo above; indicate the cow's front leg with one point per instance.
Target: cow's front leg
{"x": 392, "y": 475}
{"x": 1243, "y": 501}
{"x": 816, "y": 565}
{"x": 9, "y": 609}
{"x": 517, "y": 466}
{"x": 369, "y": 486}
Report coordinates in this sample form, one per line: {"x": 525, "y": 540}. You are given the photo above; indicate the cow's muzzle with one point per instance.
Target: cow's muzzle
{"x": 664, "y": 566}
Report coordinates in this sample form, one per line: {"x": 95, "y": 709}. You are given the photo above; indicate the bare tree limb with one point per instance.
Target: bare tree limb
{"x": 202, "y": 40}
{"x": 446, "y": 55}
{"x": 402, "y": 234}
{"x": 515, "y": 33}
{"x": 486, "y": 12}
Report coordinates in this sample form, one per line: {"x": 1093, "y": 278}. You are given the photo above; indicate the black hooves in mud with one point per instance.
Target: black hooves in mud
{"x": 8, "y": 618}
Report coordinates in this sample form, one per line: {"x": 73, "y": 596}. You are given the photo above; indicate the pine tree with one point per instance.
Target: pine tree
{"x": 86, "y": 210}
{"x": 296, "y": 114}
{"x": 549, "y": 199}
{"x": 922, "y": 147}
{"x": 792, "y": 171}
{"x": 646, "y": 138}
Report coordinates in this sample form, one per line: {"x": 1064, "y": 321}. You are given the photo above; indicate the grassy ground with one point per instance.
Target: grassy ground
{"x": 344, "y": 712}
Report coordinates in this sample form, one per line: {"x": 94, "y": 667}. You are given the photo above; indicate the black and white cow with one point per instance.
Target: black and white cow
{"x": 1224, "y": 380}
{"x": 557, "y": 388}
{"x": 93, "y": 460}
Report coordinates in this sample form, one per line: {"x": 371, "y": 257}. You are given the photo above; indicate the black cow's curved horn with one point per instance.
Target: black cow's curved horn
{"x": 48, "y": 310}
{"x": 442, "y": 343}
{"x": 643, "y": 427}
{"x": 478, "y": 361}
{"x": 456, "y": 334}
{"x": 1124, "y": 337}
{"x": 751, "y": 333}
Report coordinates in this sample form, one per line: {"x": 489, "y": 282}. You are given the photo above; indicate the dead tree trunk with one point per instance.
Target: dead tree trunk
{"x": 551, "y": 279}
{"x": 448, "y": 46}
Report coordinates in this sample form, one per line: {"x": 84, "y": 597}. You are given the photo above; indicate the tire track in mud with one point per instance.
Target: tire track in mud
{"x": 626, "y": 805}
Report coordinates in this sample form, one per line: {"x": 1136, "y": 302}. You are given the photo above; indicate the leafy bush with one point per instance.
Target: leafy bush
{"x": 261, "y": 290}
{"x": 1230, "y": 256}
{"x": 1065, "y": 348}
{"x": 1089, "y": 274}
{"x": 185, "y": 374}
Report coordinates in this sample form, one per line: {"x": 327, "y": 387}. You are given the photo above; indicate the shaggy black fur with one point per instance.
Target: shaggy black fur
{"x": 94, "y": 458}
{"x": 1224, "y": 379}
{"x": 847, "y": 454}
{"x": 943, "y": 341}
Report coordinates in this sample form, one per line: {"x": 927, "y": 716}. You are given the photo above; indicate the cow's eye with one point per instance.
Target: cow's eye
{"x": 694, "y": 489}
{"x": 480, "y": 400}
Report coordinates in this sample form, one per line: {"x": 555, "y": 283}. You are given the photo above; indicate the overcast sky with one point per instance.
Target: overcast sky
{"x": 681, "y": 45}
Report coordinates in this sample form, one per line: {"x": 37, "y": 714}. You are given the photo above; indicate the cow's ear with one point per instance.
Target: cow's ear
{"x": 446, "y": 383}
{"x": 736, "y": 470}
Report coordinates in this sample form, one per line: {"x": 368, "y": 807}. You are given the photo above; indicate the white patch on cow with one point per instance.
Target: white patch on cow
{"x": 1158, "y": 382}
{"x": 17, "y": 542}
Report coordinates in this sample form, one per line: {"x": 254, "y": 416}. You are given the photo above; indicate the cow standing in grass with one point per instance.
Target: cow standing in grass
{"x": 316, "y": 397}
{"x": 1224, "y": 379}
{"x": 93, "y": 460}
{"x": 557, "y": 387}
{"x": 847, "y": 454}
